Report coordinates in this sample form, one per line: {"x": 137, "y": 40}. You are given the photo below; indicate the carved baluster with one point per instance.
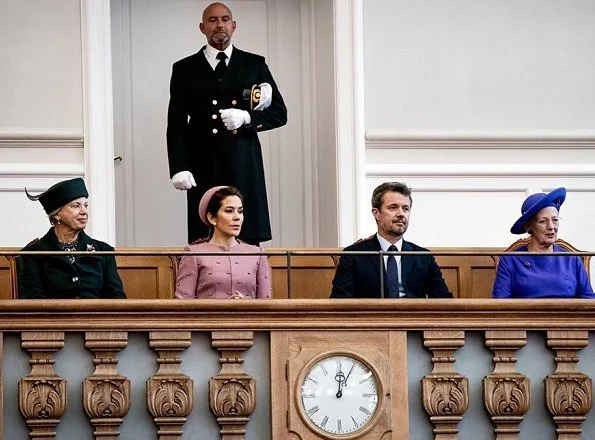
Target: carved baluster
{"x": 232, "y": 392}
{"x": 506, "y": 392}
{"x": 445, "y": 392}
{"x": 170, "y": 393}
{"x": 42, "y": 394}
{"x": 106, "y": 394}
{"x": 568, "y": 392}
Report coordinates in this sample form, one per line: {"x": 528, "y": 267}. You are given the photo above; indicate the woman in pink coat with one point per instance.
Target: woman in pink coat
{"x": 223, "y": 275}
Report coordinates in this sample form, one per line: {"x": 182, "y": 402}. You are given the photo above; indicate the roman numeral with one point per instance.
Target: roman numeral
{"x": 323, "y": 368}
{"x": 324, "y": 422}
{"x": 339, "y": 429}
{"x": 365, "y": 379}
{"x": 308, "y": 395}
{"x": 312, "y": 380}
{"x": 354, "y": 422}
{"x": 368, "y": 395}
{"x": 313, "y": 410}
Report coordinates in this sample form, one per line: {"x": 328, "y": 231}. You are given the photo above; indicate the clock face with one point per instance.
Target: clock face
{"x": 339, "y": 395}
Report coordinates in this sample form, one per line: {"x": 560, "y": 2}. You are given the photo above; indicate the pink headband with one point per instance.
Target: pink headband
{"x": 204, "y": 202}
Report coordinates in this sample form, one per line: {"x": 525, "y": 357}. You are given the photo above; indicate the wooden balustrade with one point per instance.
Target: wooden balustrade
{"x": 379, "y": 334}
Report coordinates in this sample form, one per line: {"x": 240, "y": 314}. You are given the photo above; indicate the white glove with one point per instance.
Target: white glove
{"x": 234, "y": 118}
{"x": 266, "y": 96}
{"x": 183, "y": 180}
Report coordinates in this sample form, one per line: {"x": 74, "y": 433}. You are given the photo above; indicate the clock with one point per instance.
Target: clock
{"x": 339, "y": 385}
{"x": 339, "y": 394}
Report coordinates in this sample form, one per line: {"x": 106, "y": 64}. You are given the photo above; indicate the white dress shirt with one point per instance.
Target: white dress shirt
{"x": 211, "y": 55}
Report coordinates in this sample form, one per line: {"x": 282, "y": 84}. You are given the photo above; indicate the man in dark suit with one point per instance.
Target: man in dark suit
{"x": 212, "y": 128}
{"x": 413, "y": 276}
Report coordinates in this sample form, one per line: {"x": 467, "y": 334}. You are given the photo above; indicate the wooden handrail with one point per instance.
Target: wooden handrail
{"x": 266, "y": 315}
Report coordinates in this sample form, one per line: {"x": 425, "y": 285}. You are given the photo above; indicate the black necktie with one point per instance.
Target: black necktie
{"x": 392, "y": 274}
{"x": 221, "y": 67}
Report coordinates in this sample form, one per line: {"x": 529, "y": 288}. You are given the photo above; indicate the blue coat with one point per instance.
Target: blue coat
{"x": 53, "y": 276}
{"x": 359, "y": 276}
{"x": 541, "y": 276}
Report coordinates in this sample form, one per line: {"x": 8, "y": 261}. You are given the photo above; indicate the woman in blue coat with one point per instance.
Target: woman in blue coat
{"x": 541, "y": 276}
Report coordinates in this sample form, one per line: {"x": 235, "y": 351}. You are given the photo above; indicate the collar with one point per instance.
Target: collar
{"x": 385, "y": 244}
{"x": 50, "y": 242}
{"x": 211, "y": 53}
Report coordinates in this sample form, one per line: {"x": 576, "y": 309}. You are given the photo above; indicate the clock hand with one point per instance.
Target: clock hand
{"x": 349, "y": 374}
{"x": 343, "y": 381}
{"x": 340, "y": 378}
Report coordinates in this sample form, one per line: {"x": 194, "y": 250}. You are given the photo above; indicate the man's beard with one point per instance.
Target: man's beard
{"x": 396, "y": 229}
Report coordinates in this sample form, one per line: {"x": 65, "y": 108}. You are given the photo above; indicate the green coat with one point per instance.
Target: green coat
{"x": 53, "y": 276}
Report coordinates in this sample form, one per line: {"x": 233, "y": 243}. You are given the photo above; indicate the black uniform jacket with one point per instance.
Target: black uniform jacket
{"x": 53, "y": 276}
{"x": 359, "y": 276}
{"x": 197, "y": 140}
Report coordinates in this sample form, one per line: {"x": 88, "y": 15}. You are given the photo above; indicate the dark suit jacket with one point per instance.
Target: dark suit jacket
{"x": 197, "y": 140}
{"x": 53, "y": 276}
{"x": 359, "y": 276}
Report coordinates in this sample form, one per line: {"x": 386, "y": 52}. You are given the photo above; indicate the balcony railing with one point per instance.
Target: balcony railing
{"x": 168, "y": 369}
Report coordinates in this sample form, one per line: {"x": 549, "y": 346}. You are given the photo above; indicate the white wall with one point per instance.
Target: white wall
{"x": 476, "y": 104}
{"x": 487, "y": 64}
{"x": 473, "y": 103}
{"x": 41, "y": 116}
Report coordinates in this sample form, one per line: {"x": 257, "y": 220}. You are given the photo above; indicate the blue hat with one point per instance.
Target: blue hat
{"x": 535, "y": 203}
{"x": 60, "y": 194}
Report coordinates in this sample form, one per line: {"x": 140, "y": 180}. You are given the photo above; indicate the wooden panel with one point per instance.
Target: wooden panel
{"x": 468, "y": 276}
{"x": 311, "y": 275}
{"x": 5, "y": 279}
{"x": 148, "y": 277}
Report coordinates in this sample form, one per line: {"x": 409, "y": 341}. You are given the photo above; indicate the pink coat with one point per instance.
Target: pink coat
{"x": 220, "y": 276}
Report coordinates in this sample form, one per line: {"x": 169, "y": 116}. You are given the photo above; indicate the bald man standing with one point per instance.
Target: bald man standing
{"x": 213, "y": 125}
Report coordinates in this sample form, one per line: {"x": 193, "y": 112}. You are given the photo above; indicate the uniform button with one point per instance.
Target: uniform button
{"x": 178, "y": 284}
{"x": 188, "y": 274}
{"x": 201, "y": 284}
{"x": 218, "y": 282}
{"x": 185, "y": 293}
{"x": 234, "y": 102}
{"x": 218, "y": 262}
{"x": 239, "y": 282}
{"x": 229, "y": 293}
{"x": 214, "y": 102}
{"x": 228, "y": 272}
{"x": 210, "y": 273}
{"x": 75, "y": 279}
{"x": 210, "y": 293}
{"x": 215, "y": 131}
{"x": 214, "y": 116}
{"x": 248, "y": 273}
{"x": 266, "y": 276}
{"x": 235, "y": 132}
